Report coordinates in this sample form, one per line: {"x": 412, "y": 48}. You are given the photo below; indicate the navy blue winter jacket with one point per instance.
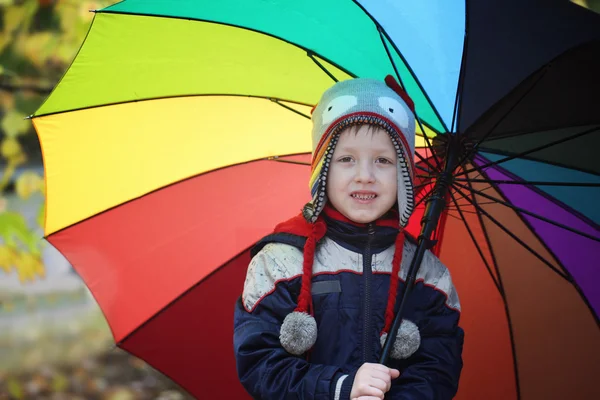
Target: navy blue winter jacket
{"x": 350, "y": 283}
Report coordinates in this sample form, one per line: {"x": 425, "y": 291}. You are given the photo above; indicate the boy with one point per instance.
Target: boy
{"x": 340, "y": 266}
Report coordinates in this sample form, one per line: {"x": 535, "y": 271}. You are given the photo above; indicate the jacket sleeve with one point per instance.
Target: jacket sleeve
{"x": 265, "y": 369}
{"x": 432, "y": 373}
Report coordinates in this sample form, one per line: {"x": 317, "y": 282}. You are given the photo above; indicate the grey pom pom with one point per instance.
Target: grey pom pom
{"x": 298, "y": 333}
{"x": 407, "y": 341}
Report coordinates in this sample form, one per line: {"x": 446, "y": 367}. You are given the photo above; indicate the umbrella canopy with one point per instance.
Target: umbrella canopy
{"x": 179, "y": 137}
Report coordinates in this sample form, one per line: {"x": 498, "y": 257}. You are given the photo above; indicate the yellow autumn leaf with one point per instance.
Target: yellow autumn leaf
{"x": 28, "y": 183}
{"x": 14, "y": 231}
{"x": 14, "y": 123}
{"x": 10, "y": 147}
{"x": 29, "y": 267}
{"x": 8, "y": 257}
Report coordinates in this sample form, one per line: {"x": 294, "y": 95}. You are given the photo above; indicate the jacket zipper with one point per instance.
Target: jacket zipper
{"x": 367, "y": 272}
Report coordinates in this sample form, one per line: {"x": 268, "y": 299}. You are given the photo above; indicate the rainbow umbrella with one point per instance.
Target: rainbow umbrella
{"x": 179, "y": 137}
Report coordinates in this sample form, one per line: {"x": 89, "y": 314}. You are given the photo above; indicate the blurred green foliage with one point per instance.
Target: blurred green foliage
{"x": 38, "y": 41}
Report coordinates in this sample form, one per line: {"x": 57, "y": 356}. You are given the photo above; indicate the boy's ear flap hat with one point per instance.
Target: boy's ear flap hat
{"x": 354, "y": 102}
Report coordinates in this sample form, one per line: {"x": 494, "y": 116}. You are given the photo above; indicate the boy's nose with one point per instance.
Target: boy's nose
{"x": 365, "y": 172}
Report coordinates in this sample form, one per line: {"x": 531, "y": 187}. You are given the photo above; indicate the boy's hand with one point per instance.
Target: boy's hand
{"x": 372, "y": 381}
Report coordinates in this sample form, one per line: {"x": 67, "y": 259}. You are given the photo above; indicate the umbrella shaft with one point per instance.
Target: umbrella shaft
{"x": 435, "y": 206}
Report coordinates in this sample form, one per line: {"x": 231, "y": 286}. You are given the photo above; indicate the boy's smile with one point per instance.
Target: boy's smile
{"x": 362, "y": 181}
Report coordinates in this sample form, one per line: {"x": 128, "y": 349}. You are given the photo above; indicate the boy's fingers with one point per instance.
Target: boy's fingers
{"x": 381, "y": 384}
{"x": 368, "y": 390}
{"x": 380, "y": 367}
{"x": 372, "y": 391}
{"x": 385, "y": 378}
{"x": 394, "y": 373}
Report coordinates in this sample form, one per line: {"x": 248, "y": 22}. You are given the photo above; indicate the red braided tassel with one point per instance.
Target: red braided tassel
{"x": 318, "y": 231}
{"x": 396, "y": 262}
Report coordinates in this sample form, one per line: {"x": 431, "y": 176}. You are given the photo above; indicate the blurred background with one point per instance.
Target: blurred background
{"x": 54, "y": 340}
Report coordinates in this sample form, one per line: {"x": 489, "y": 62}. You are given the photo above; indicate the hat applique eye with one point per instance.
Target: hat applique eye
{"x": 337, "y": 107}
{"x": 395, "y": 110}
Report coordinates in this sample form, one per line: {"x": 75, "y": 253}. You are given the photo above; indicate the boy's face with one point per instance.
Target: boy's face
{"x": 362, "y": 181}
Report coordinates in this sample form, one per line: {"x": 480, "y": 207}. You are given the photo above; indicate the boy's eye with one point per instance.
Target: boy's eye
{"x": 382, "y": 160}
{"x": 345, "y": 159}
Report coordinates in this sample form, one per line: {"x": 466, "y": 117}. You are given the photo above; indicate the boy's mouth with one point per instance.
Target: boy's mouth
{"x": 363, "y": 196}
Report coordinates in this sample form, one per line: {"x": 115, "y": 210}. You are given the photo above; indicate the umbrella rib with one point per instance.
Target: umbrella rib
{"x": 464, "y": 205}
{"x": 535, "y": 149}
{"x": 423, "y": 198}
{"x": 179, "y": 96}
{"x": 276, "y": 101}
{"x": 420, "y": 167}
{"x": 277, "y": 159}
{"x": 422, "y": 185}
{"x": 524, "y": 211}
{"x": 542, "y": 160}
{"x": 503, "y": 295}
{"x": 512, "y": 235}
{"x": 456, "y": 217}
{"x": 515, "y": 134}
{"x": 475, "y": 147}
{"x": 461, "y": 78}
{"x": 528, "y": 183}
{"x": 544, "y": 194}
{"x": 426, "y": 161}
{"x": 389, "y": 54}
{"x": 312, "y": 57}
{"x": 425, "y": 176}
{"x": 487, "y": 266}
